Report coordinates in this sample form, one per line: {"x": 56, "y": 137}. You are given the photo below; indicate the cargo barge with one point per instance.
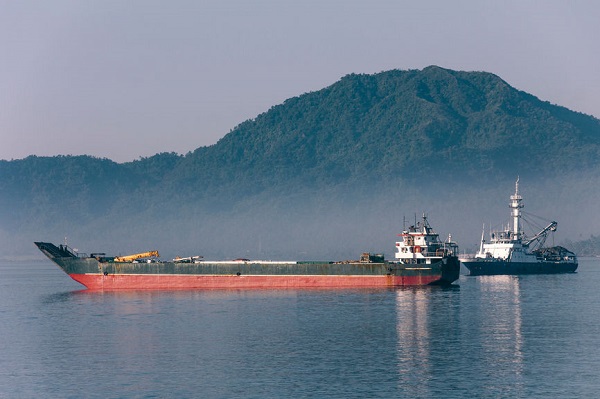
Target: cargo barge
{"x": 421, "y": 259}
{"x": 512, "y": 252}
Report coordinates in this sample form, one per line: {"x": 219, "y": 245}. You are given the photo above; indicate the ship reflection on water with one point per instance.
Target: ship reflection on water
{"x": 442, "y": 342}
{"x": 415, "y": 341}
{"x": 504, "y": 328}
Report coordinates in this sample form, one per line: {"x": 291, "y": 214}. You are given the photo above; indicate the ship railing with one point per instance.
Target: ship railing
{"x": 74, "y": 251}
{"x": 449, "y": 248}
{"x": 65, "y": 250}
{"x": 441, "y": 252}
{"x": 557, "y": 258}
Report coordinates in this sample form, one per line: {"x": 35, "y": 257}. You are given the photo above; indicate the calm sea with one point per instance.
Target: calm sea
{"x": 488, "y": 337}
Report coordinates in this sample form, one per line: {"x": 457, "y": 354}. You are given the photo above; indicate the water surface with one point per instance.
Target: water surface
{"x": 500, "y": 336}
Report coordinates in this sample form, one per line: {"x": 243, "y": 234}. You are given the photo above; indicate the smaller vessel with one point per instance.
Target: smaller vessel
{"x": 511, "y": 251}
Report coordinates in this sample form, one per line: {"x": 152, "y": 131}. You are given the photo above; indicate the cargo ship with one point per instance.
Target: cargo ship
{"x": 512, "y": 252}
{"x": 421, "y": 258}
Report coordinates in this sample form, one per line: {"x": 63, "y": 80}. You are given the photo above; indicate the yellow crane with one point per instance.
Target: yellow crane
{"x": 131, "y": 258}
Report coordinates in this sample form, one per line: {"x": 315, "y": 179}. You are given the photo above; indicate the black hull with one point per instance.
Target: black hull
{"x": 450, "y": 267}
{"x": 492, "y": 268}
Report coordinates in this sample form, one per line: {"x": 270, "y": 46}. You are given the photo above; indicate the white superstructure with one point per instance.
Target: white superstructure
{"x": 421, "y": 244}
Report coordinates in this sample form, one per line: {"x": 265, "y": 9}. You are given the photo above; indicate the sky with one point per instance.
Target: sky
{"x": 129, "y": 79}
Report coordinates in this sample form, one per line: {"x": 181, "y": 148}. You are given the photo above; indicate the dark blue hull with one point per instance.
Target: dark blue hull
{"x": 494, "y": 267}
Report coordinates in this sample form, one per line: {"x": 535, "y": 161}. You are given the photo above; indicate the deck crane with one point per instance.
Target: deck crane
{"x": 131, "y": 258}
{"x": 541, "y": 236}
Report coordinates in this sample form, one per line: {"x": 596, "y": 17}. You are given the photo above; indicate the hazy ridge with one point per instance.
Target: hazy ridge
{"x": 327, "y": 174}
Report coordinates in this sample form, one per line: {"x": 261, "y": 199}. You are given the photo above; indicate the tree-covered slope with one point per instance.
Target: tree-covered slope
{"x": 366, "y": 138}
{"x": 402, "y": 124}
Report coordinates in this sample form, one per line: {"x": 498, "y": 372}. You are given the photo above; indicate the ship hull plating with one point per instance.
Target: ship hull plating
{"x": 490, "y": 268}
{"x": 170, "y": 282}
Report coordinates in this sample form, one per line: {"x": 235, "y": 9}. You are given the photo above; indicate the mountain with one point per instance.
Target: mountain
{"x": 332, "y": 168}
{"x": 389, "y": 123}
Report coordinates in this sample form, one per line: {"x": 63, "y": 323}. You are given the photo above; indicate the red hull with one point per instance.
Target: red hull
{"x": 170, "y": 282}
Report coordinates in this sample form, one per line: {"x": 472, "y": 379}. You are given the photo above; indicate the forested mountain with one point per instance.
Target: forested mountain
{"x": 406, "y": 124}
{"x": 589, "y": 247}
{"x": 326, "y": 167}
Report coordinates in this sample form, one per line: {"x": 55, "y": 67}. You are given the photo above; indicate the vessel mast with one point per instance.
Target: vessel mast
{"x": 515, "y": 206}
{"x": 482, "y": 239}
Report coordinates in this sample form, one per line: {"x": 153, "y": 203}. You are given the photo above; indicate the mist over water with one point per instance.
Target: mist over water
{"x": 335, "y": 225}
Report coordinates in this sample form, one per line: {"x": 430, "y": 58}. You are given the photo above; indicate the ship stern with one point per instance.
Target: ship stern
{"x": 450, "y": 271}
